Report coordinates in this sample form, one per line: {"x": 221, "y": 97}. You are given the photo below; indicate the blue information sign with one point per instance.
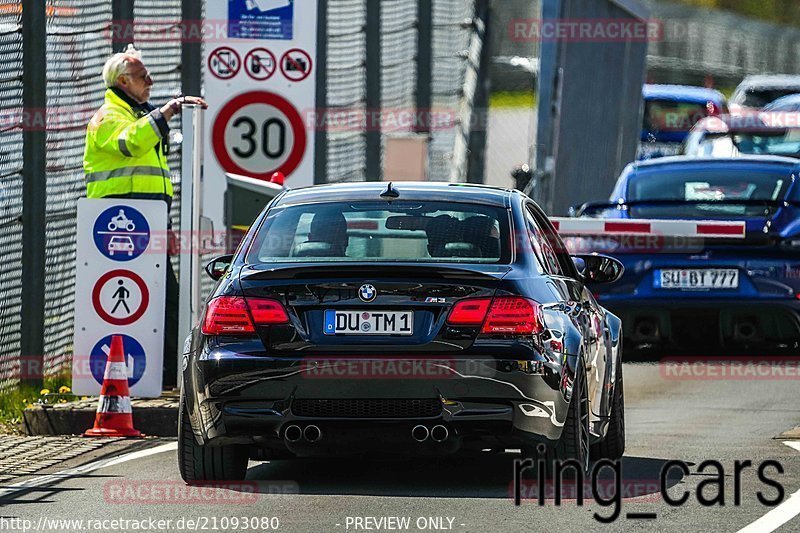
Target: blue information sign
{"x": 135, "y": 358}
{"x": 121, "y": 233}
{"x": 261, "y": 19}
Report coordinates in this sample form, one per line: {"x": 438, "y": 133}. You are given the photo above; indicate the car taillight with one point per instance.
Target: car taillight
{"x": 503, "y": 315}
{"x": 513, "y": 315}
{"x": 231, "y": 315}
{"x": 267, "y": 312}
{"x": 470, "y": 312}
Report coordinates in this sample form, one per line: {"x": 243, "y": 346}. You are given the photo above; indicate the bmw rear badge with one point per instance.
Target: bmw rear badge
{"x": 367, "y": 293}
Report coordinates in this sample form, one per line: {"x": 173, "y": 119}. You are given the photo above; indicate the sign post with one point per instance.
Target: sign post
{"x": 261, "y": 90}
{"x": 189, "y": 297}
{"x": 120, "y": 289}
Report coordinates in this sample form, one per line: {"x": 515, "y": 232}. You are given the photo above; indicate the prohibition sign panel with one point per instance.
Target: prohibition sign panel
{"x": 260, "y": 64}
{"x": 224, "y": 63}
{"x": 118, "y": 295}
{"x": 296, "y": 64}
{"x": 257, "y": 134}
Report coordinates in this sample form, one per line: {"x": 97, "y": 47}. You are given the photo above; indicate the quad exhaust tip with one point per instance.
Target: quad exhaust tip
{"x": 312, "y": 433}
{"x": 439, "y": 433}
{"x": 420, "y": 433}
{"x": 293, "y": 433}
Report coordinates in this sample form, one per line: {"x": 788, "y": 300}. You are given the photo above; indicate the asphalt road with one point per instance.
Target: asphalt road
{"x": 668, "y": 418}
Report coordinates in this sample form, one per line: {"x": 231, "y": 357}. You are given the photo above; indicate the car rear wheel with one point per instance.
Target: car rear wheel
{"x": 613, "y": 445}
{"x": 573, "y": 445}
{"x": 205, "y": 463}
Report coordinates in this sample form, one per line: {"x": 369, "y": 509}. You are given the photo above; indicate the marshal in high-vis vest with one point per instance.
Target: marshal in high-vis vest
{"x": 127, "y": 140}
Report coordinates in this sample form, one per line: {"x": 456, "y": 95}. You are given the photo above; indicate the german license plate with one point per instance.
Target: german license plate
{"x": 709, "y": 278}
{"x": 368, "y": 322}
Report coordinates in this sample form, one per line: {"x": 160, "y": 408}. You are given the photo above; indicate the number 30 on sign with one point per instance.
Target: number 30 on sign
{"x": 257, "y": 134}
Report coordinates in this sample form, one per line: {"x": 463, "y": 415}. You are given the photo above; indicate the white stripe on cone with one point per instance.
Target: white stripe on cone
{"x": 114, "y": 404}
{"x": 116, "y": 371}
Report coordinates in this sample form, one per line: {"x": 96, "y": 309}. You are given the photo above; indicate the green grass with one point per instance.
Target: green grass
{"x": 14, "y": 401}
{"x": 512, "y": 100}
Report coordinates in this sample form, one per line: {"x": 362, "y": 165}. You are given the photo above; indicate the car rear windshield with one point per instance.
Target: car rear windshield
{"x": 408, "y": 231}
{"x": 712, "y": 193}
{"x": 669, "y": 115}
{"x": 762, "y": 97}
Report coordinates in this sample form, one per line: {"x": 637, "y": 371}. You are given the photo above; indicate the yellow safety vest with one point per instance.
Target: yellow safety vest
{"x": 124, "y": 152}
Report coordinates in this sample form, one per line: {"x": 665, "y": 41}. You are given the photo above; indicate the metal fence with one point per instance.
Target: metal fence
{"x": 78, "y": 40}
{"x": 347, "y": 83}
{"x": 80, "y": 36}
{"x": 10, "y": 190}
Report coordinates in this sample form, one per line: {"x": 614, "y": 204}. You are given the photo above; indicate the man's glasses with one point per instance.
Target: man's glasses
{"x": 142, "y": 76}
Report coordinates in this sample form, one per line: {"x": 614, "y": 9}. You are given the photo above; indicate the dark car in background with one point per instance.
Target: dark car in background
{"x": 708, "y": 295}
{"x": 760, "y": 133}
{"x": 416, "y": 319}
{"x": 670, "y": 111}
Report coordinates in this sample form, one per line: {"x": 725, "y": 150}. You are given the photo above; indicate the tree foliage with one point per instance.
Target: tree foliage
{"x": 778, "y": 11}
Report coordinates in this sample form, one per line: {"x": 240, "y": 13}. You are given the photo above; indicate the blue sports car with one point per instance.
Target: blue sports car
{"x": 697, "y": 295}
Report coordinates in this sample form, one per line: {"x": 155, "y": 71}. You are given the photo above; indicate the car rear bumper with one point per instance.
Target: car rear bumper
{"x": 375, "y": 403}
{"x": 700, "y": 325}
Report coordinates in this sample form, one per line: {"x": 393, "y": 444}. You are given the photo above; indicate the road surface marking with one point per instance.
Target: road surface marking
{"x": 780, "y": 514}
{"x": 38, "y": 481}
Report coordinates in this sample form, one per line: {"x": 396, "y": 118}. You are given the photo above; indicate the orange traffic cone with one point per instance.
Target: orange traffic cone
{"x": 114, "y": 416}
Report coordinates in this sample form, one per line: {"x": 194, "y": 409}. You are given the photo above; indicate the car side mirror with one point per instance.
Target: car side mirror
{"x": 597, "y": 268}
{"x": 219, "y": 266}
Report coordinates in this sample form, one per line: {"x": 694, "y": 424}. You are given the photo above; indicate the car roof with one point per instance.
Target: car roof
{"x": 682, "y": 92}
{"x": 408, "y": 190}
{"x": 770, "y": 81}
{"x": 663, "y": 163}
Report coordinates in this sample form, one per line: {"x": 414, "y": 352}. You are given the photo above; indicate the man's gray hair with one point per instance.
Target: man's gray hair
{"x": 117, "y": 65}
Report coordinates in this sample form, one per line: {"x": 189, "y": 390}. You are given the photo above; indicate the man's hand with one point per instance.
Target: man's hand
{"x": 173, "y": 107}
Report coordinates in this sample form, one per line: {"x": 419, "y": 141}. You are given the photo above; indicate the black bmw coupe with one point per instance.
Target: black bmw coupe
{"x": 415, "y": 318}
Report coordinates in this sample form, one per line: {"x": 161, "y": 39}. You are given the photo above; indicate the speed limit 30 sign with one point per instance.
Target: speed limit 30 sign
{"x": 257, "y": 134}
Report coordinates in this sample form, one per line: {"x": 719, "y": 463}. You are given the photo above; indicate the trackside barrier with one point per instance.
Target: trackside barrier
{"x": 711, "y": 229}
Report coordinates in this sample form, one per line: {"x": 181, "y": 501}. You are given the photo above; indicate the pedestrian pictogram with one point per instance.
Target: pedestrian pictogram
{"x": 120, "y": 297}
{"x": 260, "y": 64}
{"x": 224, "y": 63}
{"x": 121, "y": 233}
{"x": 257, "y": 134}
{"x": 296, "y": 64}
{"x": 132, "y": 354}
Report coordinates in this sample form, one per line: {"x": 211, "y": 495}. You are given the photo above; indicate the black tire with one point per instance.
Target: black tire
{"x": 205, "y": 463}
{"x": 574, "y": 442}
{"x": 613, "y": 445}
